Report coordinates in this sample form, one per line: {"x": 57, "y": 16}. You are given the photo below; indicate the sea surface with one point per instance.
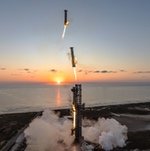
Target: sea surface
{"x": 28, "y": 97}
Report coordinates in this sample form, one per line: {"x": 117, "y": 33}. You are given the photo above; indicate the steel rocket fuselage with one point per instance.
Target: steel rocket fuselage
{"x": 65, "y": 17}
{"x": 72, "y": 57}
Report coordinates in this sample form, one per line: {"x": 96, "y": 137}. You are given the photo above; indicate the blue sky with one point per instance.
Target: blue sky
{"x": 111, "y": 39}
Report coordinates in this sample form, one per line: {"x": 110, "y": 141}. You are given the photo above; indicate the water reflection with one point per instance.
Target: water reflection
{"x": 58, "y": 97}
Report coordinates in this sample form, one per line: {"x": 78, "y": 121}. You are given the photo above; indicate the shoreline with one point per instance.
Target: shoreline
{"x": 86, "y": 106}
{"x": 134, "y": 115}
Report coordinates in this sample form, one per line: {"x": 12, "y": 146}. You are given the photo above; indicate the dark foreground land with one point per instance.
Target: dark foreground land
{"x": 135, "y": 116}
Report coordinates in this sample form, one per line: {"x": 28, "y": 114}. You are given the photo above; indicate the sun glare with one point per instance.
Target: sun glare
{"x": 58, "y": 82}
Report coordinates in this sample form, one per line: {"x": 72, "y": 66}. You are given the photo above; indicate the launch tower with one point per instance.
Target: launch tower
{"x": 77, "y": 108}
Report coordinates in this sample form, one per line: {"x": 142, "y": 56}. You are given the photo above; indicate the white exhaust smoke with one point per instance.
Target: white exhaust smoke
{"x": 107, "y": 132}
{"x": 49, "y": 132}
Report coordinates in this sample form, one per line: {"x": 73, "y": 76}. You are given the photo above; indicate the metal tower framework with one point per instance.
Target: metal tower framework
{"x": 77, "y": 108}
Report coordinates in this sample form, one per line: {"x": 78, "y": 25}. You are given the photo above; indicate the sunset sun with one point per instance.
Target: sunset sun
{"x": 58, "y": 81}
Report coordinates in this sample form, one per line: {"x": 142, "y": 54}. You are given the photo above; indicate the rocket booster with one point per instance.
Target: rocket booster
{"x": 65, "y": 17}
{"x": 72, "y": 57}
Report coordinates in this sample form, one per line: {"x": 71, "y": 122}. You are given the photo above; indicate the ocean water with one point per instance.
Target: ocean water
{"x": 26, "y": 97}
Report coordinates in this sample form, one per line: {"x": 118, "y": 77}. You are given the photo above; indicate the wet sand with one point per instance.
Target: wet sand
{"x": 135, "y": 116}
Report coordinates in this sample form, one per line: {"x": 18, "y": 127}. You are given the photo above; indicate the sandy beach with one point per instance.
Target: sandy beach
{"x": 135, "y": 116}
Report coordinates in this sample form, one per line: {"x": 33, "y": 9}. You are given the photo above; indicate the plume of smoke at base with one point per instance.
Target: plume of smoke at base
{"x": 48, "y": 133}
{"x": 107, "y": 132}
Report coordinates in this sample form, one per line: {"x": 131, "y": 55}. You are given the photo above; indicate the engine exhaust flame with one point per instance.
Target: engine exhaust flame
{"x": 64, "y": 31}
{"x": 74, "y": 116}
{"x": 75, "y": 73}
{"x": 74, "y": 62}
{"x": 66, "y": 25}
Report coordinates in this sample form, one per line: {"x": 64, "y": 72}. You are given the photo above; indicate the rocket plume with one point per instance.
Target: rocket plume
{"x": 66, "y": 23}
{"x": 75, "y": 73}
{"x": 74, "y": 116}
{"x": 74, "y": 62}
{"x": 64, "y": 31}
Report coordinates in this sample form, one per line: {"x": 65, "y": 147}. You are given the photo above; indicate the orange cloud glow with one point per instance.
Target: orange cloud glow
{"x": 57, "y": 76}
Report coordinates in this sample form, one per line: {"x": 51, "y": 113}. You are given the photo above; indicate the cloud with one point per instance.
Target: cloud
{"x": 112, "y": 71}
{"x": 15, "y": 74}
{"x": 122, "y": 70}
{"x": 25, "y": 69}
{"x": 142, "y": 72}
{"x": 85, "y": 71}
{"x": 28, "y": 70}
{"x": 97, "y": 71}
{"x": 53, "y": 70}
{"x": 80, "y": 70}
{"x": 105, "y": 71}
{"x": 2, "y": 68}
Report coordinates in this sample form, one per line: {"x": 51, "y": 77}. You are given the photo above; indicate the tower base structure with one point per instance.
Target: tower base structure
{"x": 77, "y": 108}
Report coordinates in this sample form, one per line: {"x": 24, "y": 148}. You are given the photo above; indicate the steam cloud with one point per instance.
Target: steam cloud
{"x": 50, "y": 132}
{"x": 107, "y": 132}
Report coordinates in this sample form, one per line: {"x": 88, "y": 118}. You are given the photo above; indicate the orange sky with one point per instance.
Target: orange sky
{"x": 111, "y": 44}
{"x": 53, "y": 76}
